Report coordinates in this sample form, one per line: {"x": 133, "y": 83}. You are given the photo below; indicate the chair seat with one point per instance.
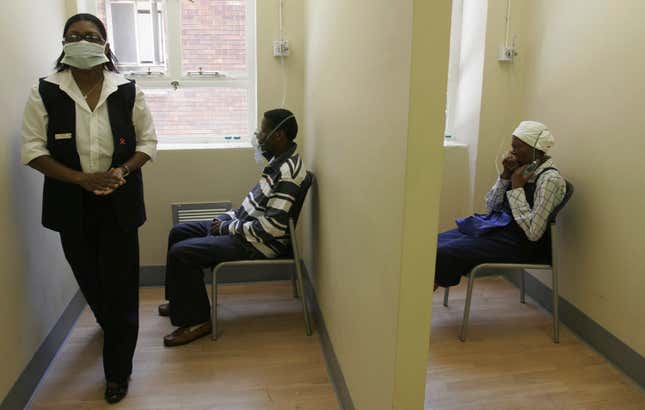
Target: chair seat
{"x": 255, "y": 262}
{"x": 258, "y": 265}
{"x": 511, "y": 266}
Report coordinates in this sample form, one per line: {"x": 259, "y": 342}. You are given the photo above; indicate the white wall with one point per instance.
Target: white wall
{"x": 374, "y": 126}
{"x": 35, "y": 282}
{"x": 455, "y": 188}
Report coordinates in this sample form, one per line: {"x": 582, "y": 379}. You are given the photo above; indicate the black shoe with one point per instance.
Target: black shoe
{"x": 115, "y": 392}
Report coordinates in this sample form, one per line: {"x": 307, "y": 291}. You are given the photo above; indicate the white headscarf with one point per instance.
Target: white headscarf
{"x": 535, "y": 134}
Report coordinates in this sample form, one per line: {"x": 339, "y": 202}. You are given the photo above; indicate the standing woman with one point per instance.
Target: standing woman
{"x": 89, "y": 131}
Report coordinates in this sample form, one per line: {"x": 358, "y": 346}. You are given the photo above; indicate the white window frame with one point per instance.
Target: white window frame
{"x": 453, "y": 67}
{"x": 174, "y": 77}
{"x": 110, "y": 26}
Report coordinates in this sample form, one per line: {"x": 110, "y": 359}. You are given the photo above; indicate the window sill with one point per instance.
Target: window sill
{"x": 182, "y": 146}
{"x": 450, "y": 143}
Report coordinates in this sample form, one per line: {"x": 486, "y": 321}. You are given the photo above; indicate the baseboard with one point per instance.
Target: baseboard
{"x": 331, "y": 361}
{"x": 608, "y": 345}
{"x": 21, "y": 392}
{"x": 154, "y": 275}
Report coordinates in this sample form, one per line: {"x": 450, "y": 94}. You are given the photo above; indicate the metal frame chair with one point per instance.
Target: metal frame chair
{"x": 523, "y": 266}
{"x": 295, "y": 263}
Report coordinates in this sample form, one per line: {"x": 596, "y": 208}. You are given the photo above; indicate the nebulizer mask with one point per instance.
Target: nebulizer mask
{"x": 261, "y": 152}
{"x": 530, "y": 168}
{"x": 258, "y": 154}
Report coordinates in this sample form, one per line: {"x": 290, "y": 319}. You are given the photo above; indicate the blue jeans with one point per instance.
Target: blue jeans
{"x": 192, "y": 248}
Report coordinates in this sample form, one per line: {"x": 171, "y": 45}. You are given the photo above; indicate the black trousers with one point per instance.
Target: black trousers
{"x": 191, "y": 248}
{"x": 105, "y": 262}
{"x": 458, "y": 253}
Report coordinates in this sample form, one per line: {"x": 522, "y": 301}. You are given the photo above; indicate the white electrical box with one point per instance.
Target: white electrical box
{"x": 506, "y": 53}
{"x": 280, "y": 48}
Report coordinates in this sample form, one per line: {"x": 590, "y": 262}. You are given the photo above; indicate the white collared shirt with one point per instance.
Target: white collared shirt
{"x": 94, "y": 141}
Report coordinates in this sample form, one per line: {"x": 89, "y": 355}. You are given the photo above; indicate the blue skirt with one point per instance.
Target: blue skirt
{"x": 458, "y": 253}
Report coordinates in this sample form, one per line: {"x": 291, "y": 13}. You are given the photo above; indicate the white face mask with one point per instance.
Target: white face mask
{"x": 261, "y": 152}
{"x": 258, "y": 153}
{"x": 84, "y": 55}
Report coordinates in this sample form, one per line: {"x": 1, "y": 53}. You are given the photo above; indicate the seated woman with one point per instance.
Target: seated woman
{"x": 519, "y": 206}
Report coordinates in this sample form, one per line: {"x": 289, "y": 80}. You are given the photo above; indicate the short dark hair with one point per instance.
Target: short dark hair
{"x": 110, "y": 65}
{"x": 289, "y": 126}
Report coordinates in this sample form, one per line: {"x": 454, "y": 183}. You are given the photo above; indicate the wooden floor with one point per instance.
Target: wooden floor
{"x": 510, "y": 362}
{"x": 262, "y": 360}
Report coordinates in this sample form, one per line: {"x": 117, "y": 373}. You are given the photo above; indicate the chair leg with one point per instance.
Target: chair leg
{"x": 445, "y": 296}
{"x": 294, "y": 284}
{"x": 303, "y": 299}
{"x": 556, "y": 312}
{"x": 522, "y": 286}
{"x": 469, "y": 295}
{"x": 214, "y": 306}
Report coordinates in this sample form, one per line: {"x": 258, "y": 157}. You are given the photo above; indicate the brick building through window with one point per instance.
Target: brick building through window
{"x": 194, "y": 62}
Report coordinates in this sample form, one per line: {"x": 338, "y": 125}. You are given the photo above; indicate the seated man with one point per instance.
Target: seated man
{"x": 519, "y": 206}
{"x": 258, "y": 229}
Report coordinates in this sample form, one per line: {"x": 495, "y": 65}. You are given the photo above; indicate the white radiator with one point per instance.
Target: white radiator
{"x": 204, "y": 211}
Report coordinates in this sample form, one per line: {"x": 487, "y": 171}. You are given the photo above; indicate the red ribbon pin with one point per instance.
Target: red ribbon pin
{"x": 122, "y": 141}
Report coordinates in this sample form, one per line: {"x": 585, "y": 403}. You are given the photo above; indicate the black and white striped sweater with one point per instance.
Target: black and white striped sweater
{"x": 263, "y": 218}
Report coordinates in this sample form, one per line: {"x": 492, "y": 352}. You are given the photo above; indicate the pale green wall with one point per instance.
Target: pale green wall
{"x": 35, "y": 282}
{"x": 376, "y": 149}
{"x": 591, "y": 96}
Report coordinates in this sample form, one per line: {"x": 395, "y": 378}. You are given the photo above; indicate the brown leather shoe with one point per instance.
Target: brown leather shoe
{"x": 187, "y": 334}
{"x": 164, "y": 310}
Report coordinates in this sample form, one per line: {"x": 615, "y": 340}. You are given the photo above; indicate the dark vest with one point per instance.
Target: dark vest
{"x": 63, "y": 202}
{"x": 540, "y": 249}
{"x": 529, "y": 191}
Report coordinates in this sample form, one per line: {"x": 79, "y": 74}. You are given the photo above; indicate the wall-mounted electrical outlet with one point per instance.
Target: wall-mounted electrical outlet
{"x": 506, "y": 53}
{"x": 280, "y": 48}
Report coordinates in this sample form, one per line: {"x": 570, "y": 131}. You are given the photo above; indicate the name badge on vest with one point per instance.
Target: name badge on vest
{"x": 64, "y": 136}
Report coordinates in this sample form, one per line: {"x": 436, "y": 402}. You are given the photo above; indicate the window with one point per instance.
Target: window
{"x": 453, "y": 68}
{"x": 136, "y": 36}
{"x": 195, "y": 60}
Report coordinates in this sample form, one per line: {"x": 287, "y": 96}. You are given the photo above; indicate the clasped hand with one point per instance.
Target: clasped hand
{"x": 215, "y": 225}
{"x": 103, "y": 183}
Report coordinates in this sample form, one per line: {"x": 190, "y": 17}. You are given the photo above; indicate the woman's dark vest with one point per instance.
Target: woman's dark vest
{"x": 529, "y": 192}
{"x": 541, "y": 249}
{"x": 63, "y": 202}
